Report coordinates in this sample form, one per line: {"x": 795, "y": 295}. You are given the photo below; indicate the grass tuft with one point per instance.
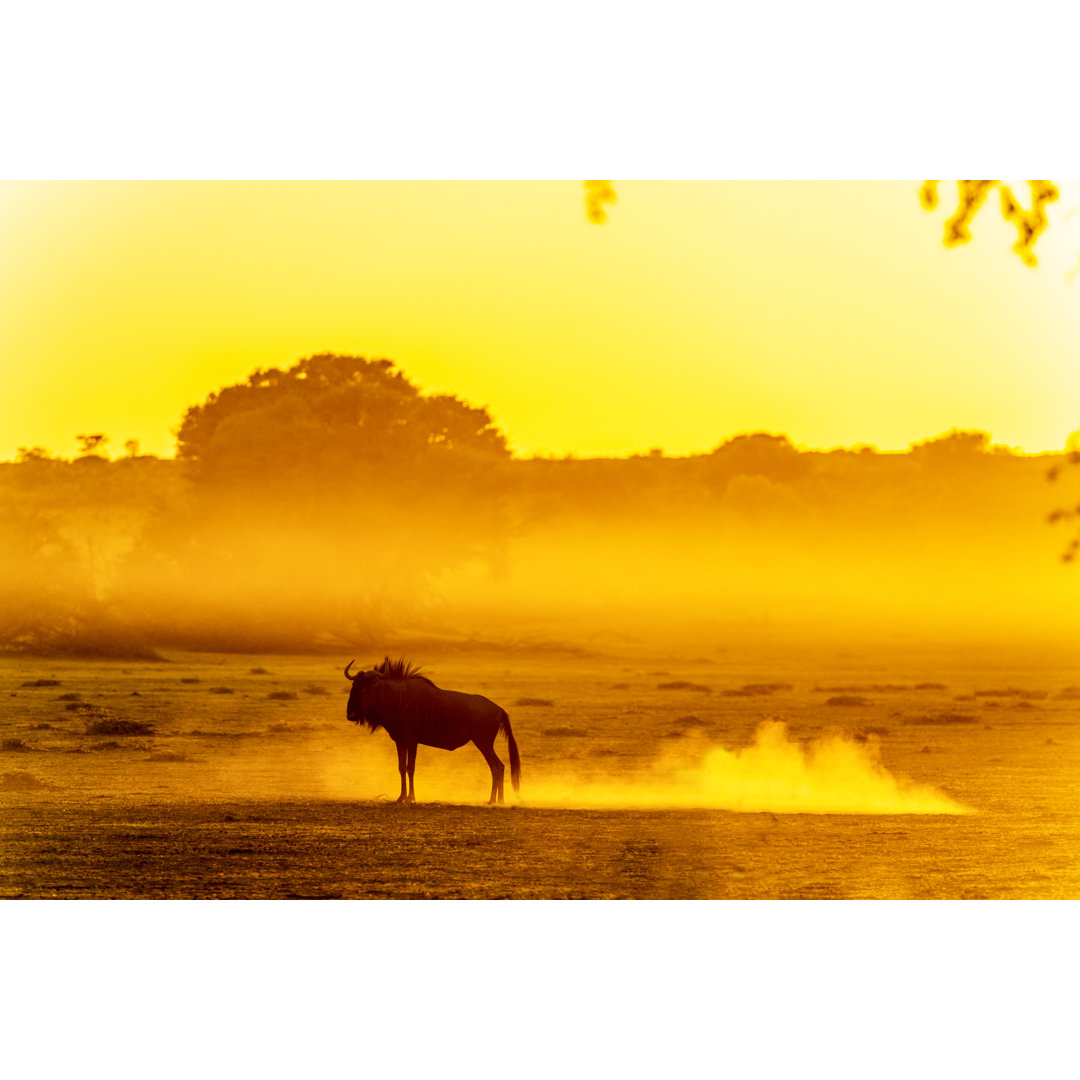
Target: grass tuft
{"x": 110, "y": 726}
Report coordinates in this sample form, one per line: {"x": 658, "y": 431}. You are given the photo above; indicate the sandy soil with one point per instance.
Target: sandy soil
{"x": 239, "y": 777}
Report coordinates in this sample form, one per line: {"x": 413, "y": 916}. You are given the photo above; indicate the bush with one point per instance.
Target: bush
{"x": 119, "y": 727}
{"x": 943, "y": 718}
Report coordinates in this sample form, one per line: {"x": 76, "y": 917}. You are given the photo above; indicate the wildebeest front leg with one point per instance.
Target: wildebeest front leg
{"x": 412, "y": 769}
{"x": 401, "y": 768}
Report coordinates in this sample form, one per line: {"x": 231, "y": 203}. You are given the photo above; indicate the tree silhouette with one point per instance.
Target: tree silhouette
{"x": 324, "y": 497}
{"x": 92, "y": 445}
{"x": 66, "y": 530}
{"x": 329, "y": 413}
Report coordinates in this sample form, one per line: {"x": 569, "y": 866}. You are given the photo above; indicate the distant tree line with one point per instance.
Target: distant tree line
{"x": 321, "y": 504}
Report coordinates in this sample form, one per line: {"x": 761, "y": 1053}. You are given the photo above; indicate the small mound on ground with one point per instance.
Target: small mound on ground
{"x": 943, "y": 718}
{"x": 281, "y": 695}
{"x": 564, "y": 732}
{"x": 539, "y": 701}
{"x": 864, "y": 688}
{"x": 848, "y": 701}
{"x": 1012, "y": 691}
{"x": 221, "y": 690}
{"x": 15, "y": 746}
{"x": 42, "y": 682}
{"x": 869, "y": 732}
{"x": 297, "y": 725}
{"x": 681, "y": 684}
{"x": 119, "y": 727}
{"x": 20, "y": 780}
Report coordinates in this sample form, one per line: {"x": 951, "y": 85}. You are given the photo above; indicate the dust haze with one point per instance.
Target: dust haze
{"x": 833, "y": 773}
{"x": 334, "y": 506}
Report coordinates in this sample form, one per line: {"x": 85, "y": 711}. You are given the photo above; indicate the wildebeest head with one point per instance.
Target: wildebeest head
{"x": 364, "y": 684}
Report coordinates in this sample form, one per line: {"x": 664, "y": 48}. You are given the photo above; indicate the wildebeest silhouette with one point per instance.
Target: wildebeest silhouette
{"x": 412, "y": 710}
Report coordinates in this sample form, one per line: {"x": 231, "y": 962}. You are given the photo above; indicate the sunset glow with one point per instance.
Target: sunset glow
{"x": 721, "y": 537}
{"x": 831, "y": 312}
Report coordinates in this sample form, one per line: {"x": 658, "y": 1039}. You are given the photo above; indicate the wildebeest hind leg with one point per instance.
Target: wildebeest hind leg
{"x": 497, "y": 769}
{"x": 401, "y": 769}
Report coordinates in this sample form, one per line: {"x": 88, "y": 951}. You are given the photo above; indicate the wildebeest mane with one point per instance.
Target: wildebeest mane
{"x": 401, "y": 669}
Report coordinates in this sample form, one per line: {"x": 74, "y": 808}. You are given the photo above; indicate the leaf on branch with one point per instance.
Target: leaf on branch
{"x": 971, "y": 194}
{"x": 928, "y": 194}
{"x": 1029, "y": 223}
{"x": 598, "y": 192}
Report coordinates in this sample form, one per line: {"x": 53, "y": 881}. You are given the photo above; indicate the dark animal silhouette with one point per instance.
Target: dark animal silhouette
{"x": 412, "y": 710}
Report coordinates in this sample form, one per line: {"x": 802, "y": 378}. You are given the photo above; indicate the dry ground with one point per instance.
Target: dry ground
{"x": 239, "y": 777}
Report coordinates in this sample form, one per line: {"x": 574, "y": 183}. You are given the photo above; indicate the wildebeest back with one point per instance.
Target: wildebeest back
{"x": 415, "y": 710}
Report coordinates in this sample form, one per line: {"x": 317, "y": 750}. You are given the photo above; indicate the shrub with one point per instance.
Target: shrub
{"x": 119, "y": 727}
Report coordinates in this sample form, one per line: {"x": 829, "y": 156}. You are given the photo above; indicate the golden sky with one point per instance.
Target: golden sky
{"x": 829, "y": 311}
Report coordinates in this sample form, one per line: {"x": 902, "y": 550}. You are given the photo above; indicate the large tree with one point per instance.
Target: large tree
{"x": 323, "y": 498}
{"x": 330, "y": 411}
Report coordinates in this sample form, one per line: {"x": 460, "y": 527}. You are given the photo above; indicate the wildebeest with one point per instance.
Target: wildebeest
{"x": 412, "y": 710}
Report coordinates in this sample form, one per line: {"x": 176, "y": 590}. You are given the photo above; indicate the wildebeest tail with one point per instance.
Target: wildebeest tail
{"x": 515, "y": 761}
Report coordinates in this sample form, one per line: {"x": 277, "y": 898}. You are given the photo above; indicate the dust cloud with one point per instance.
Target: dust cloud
{"x": 831, "y": 774}
{"x": 834, "y": 774}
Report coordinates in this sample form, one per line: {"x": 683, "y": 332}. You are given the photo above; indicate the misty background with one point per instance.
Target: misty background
{"x": 333, "y": 505}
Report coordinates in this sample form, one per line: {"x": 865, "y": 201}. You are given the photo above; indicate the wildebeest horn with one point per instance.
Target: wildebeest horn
{"x": 351, "y": 678}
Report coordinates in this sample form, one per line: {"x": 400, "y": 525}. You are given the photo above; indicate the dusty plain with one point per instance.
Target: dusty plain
{"x": 238, "y": 777}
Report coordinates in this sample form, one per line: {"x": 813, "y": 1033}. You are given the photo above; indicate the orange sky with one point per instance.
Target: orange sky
{"x": 829, "y": 311}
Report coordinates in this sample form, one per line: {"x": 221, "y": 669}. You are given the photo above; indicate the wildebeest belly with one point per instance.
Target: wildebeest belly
{"x": 447, "y": 719}
{"x": 442, "y": 739}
